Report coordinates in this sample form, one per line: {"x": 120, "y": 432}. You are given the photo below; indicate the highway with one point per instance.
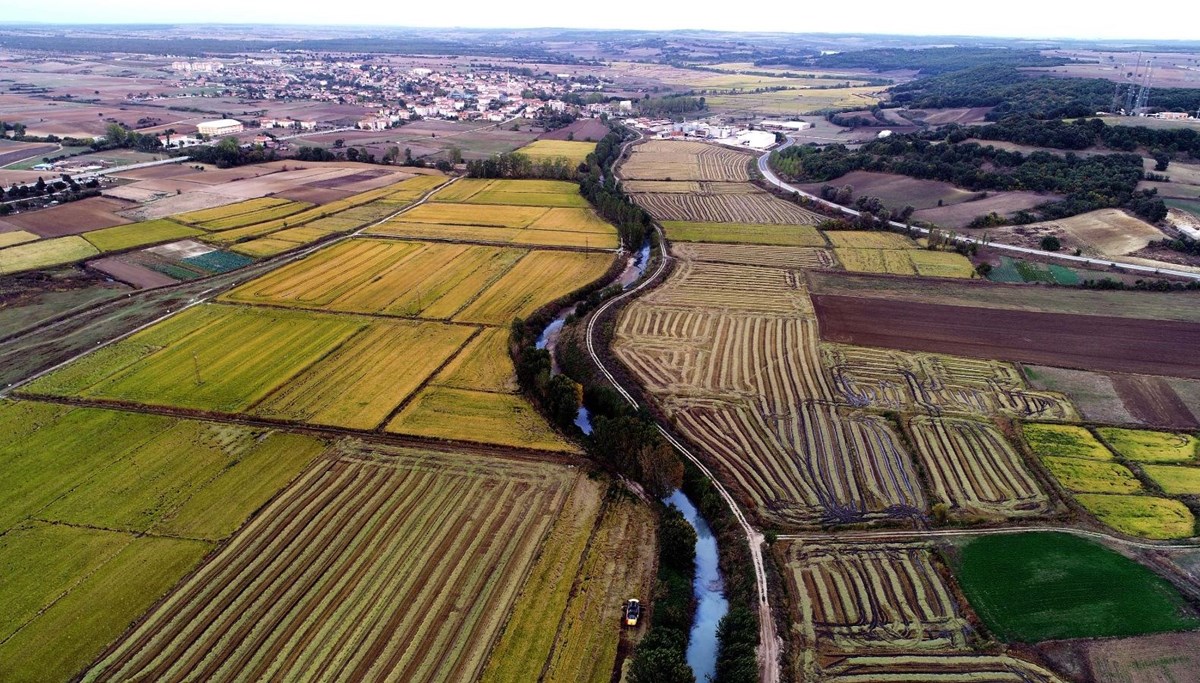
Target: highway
{"x": 765, "y": 169}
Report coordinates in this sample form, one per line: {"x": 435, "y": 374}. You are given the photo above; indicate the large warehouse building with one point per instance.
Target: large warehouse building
{"x": 221, "y": 127}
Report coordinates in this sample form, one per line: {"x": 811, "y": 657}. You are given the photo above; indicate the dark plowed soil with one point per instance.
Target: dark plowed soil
{"x": 1153, "y": 401}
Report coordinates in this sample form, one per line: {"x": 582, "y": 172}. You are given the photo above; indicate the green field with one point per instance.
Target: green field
{"x": 744, "y": 233}
{"x": 1091, "y": 476}
{"x": 44, "y": 253}
{"x": 1175, "y": 480}
{"x": 138, "y": 235}
{"x": 1043, "y": 586}
{"x": 1143, "y": 516}
{"x": 102, "y": 511}
{"x": 1065, "y": 441}
{"x": 1148, "y": 446}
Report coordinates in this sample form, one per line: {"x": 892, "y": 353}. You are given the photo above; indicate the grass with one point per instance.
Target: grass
{"x": 1092, "y": 476}
{"x": 45, "y": 253}
{"x": 8, "y": 239}
{"x": 482, "y": 417}
{"x": 141, "y": 234}
{"x": 744, "y": 233}
{"x": 1143, "y": 516}
{"x": 574, "y": 152}
{"x": 1149, "y": 446}
{"x": 1065, "y": 441}
{"x": 1175, "y": 480}
{"x": 1042, "y": 586}
{"x": 73, "y": 630}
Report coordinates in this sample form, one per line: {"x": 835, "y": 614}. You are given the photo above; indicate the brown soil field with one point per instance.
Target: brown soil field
{"x": 158, "y": 172}
{"x": 1154, "y": 402}
{"x": 7, "y": 178}
{"x": 1147, "y": 659}
{"x": 1107, "y": 232}
{"x": 1087, "y": 342}
{"x": 12, "y": 152}
{"x": 583, "y": 130}
{"x": 313, "y": 195}
{"x": 897, "y": 190}
{"x": 1179, "y": 306}
{"x": 940, "y": 117}
{"x": 1092, "y": 393}
{"x": 1003, "y": 203}
{"x": 72, "y": 218}
{"x": 130, "y": 273}
{"x": 338, "y": 181}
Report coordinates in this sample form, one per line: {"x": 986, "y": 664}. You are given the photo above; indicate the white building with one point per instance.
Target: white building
{"x": 220, "y": 127}
{"x": 776, "y": 124}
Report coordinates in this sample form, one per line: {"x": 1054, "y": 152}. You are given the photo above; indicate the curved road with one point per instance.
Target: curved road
{"x": 769, "y": 175}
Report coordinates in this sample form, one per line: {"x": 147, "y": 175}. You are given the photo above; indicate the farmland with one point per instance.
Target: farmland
{"x": 105, "y": 510}
{"x": 669, "y": 160}
{"x": 1147, "y": 446}
{"x": 45, "y": 253}
{"x": 550, "y": 223}
{"x": 133, "y": 235}
{"x": 1006, "y": 581}
{"x": 744, "y": 233}
{"x": 573, "y": 152}
{"x": 725, "y": 208}
{"x": 513, "y": 193}
{"x": 974, "y": 470}
{"x": 367, "y": 585}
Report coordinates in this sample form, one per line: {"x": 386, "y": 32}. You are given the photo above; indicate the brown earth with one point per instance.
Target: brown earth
{"x": 896, "y": 190}
{"x": 336, "y": 182}
{"x": 1003, "y": 203}
{"x": 313, "y": 195}
{"x": 72, "y": 218}
{"x": 131, "y": 273}
{"x": 583, "y": 129}
{"x": 11, "y": 155}
{"x": 1153, "y": 401}
{"x": 1086, "y": 342}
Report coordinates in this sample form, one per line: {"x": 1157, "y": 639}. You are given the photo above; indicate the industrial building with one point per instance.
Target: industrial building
{"x": 220, "y": 127}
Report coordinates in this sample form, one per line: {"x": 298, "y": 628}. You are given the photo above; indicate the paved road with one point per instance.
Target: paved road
{"x": 768, "y": 640}
{"x": 769, "y": 176}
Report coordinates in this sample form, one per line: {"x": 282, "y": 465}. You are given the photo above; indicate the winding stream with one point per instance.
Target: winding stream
{"x": 707, "y": 587}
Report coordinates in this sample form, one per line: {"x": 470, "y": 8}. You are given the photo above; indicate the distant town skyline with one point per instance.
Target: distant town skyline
{"x": 1166, "y": 20}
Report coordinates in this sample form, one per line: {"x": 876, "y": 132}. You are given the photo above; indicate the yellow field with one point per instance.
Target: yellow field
{"x": 941, "y": 264}
{"x": 1175, "y": 480}
{"x": 263, "y": 247}
{"x": 513, "y": 192}
{"x": 535, "y": 281}
{"x": 797, "y": 102}
{"x": 220, "y": 212}
{"x": 1144, "y": 516}
{"x": 473, "y": 214}
{"x": 1092, "y": 476}
{"x": 869, "y": 239}
{"x": 44, "y": 253}
{"x": 744, "y": 233}
{"x": 483, "y": 365}
{"x": 359, "y": 384}
{"x": 875, "y": 261}
{"x": 574, "y": 152}
{"x": 484, "y": 417}
{"x": 262, "y": 215}
{"x": 138, "y": 235}
{"x": 486, "y": 235}
{"x": 8, "y": 239}
{"x": 1064, "y": 441}
{"x": 1147, "y": 446}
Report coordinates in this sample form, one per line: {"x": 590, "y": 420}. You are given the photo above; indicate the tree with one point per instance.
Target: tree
{"x": 352, "y": 154}
{"x": 1161, "y": 160}
{"x": 1051, "y": 243}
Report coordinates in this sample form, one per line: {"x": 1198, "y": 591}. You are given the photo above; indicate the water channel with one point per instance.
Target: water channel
{"x": 711, "y": 604}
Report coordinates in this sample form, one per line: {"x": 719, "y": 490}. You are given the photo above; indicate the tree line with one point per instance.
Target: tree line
{"x": 1079, "y": 134}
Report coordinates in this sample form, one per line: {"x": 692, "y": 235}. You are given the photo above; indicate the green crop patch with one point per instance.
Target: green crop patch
{"x": 1055, "y": 440}
{"x": 1042, "y": 586}
{"x": 1148, "y": 446}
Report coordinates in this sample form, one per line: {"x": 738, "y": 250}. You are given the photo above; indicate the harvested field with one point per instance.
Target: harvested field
{"x": 875, "y": 239}
{"x": 71, "y": 218}
{"x": 675, "y": 160}
{"x": 897, "y": 191}
{"x": 500, "y": 236}
{"x": 795, "y": 101}
{"x": 12, "y": 152}
{"x": 1107, "y": 232}
{"x": 1147, "y": 659}
{"x": 1177, "y": 306}
{"x": 479, "y": 417}
{"x": 8, "y": 239}
{"x": 726, "y": 208}
{"x": 864, "y": 600}
{"x": 1154, "y": 402}
{"x": 794, "y": 258}
{"x": 482, "y": 365}
{"x": 936, "y": 384}
{"x": 45, "y": 253}
{"x": 124, "y": 237}
{"x": 736, "y": 288}
{"x": 1006, "y": 579}
{"x": 582, "y": 129}
{"x": 1003, "y": 203}
{"x": 744, "y": 233}
{"x": 263, "y": 247}
{"x": 973, "y": 469}
{"x": 391, "y": 541}
{"x": 921, "y": 668}
{"x": 248, "y": 207}
{"x": 132, "y": 273}
{"x": 1081, "y": 341}
{"x": 573, "y": 152}
{"x": 1094, "y": 394}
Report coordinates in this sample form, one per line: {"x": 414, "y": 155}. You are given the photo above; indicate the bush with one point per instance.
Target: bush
{"x": 1051, "y": 243}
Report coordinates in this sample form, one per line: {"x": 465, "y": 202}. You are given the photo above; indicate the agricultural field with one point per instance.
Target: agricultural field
{"x": 725, "y": 208}
{"x": 535, "y": 280}
{"x": 338, "y": 574}
{"x": 1005, "y": 578}
{"x": 105, "y": 510}
{"x": 1011, "y": 270}
{"x": 133, "y": 235}
{"x": 888, "y": 252}
{"x": 795, "y": 102}
{"x": 1095, "y": 395}
{"x": 573, "y": 152}
{"x": 522, "y": 225}
{"x": 1107, "y": 233}
{"x": 445, "y": 413}
{"x": 8, "y": 239}
{"x": 513, "y": 193}
{"x": 1152, "y": 447}
{"x": 974, "y": 471}
{"x": 675, "y": 160}
{"x": 897, "y": 191}
{"x": 45, "y": 253}
{"x": 795, "y": 258}
{"x": 1070, "y": 441}
{"x": 1141, "y": 515}
{"x": 242, "y": 214}
{"x": 744, "y": 233}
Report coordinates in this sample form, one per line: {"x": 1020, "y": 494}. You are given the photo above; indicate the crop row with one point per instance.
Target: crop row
{"x": 735, "y": 288}
{"x": 794, "y": 258}
{"x": 726, "y": 208}
{"x": 396, "y": 568}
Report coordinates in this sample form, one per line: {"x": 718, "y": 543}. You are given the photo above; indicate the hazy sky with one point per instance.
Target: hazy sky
{"x": 1163, "y": 19}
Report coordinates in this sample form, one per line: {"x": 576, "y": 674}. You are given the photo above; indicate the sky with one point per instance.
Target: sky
{"x": 1161, "y": 20}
